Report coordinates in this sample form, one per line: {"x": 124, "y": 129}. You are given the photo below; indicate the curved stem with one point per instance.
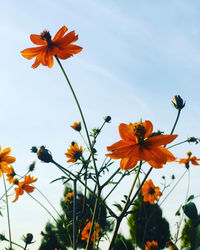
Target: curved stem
{"x": 174, "y": 187}
{"x": 7, "y": 207}
{"x": 83, "y": 119}
{"x": 177, "y": 144}
{"x": 179, "y": 111}
{"x": 43, "y": 207}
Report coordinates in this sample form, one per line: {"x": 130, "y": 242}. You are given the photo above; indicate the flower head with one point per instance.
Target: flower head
{"x": 5, "y": 160}
{"x": 69, "y": 197}
{"x": 178, "y": 102}
{"x": 74, "y": 153}
{"x": 61, "y": 46}
{"x": 189, "y": 159}
{"x": 150, "y": 192}
{"x": 136, "y": 144}
{"x": 151, "y": 245}
{"x": 86, "y": 231}
{"x": 24, "y": 186}
{"x": 10, "y": 174}
{"x": 44, "y": 155}
{"x": 76, "y": 126}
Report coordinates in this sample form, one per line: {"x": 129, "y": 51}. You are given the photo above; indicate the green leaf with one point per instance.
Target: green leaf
{"x": 191, "y": 197}
{"x": 118, "y": 206}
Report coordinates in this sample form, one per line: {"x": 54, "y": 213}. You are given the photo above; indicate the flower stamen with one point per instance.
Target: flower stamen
{"x": 45, "y": 35}
{"x": 139, "y": 132}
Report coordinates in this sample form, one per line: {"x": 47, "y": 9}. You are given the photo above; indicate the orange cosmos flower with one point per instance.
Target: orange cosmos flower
{"x": 171, "y": 245}
{"x": 24, "y": 186}
{"x": 76, "y": 126}
{"x": 69, "y": 197}
{"x": 74, "y": 153}
{"x": 150, "y": 192}
{"x": 192, "y": 159}
{"x": 137, "y": 145}
{"x": 5, "y": 160}
{"x": 61, "y": 46}
{"x": 151, "y": 245}
{"x": 86, "y": 231}
{"x": 10, "y": 174}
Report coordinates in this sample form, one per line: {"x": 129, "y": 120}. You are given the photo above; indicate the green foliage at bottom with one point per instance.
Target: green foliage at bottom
{"x": 147, "y": 224}
{"x": 122, "y": 244}
{"x": 60, "y": 235}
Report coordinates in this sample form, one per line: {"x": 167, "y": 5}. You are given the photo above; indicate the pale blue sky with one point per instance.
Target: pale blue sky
{"x": 136, "y": 56}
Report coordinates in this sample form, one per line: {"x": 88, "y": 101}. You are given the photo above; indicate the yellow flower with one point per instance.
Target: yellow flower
{"x": 76, "y": 126}
{"x": 74, "y": 153}
{"x": 5, "y": 160}
{"x": 86, "y": 231}
{"x": 151, "y": 245}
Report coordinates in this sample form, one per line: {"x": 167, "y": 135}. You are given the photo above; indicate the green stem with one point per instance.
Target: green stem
{"x": 126, "y": 206}
{"x": 74, "y": 218}
{"x": 7, "y": 207}
{"x": 174, "y": 187}
{"x": 177, "y": 144}
{"x": 43, "y": 207}
{"x": 111, "y": 177}
{"x": 179, "y": 111}
{"x": 83, "y": 119}
{"x": 48, "y": 201}
{"x": 65, "y": 171}
{"x": 14, "y": 243}
{"x": 186, "y": 197}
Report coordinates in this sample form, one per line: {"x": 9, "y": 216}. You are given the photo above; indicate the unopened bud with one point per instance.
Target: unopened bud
{"x": 34, "y": 149}
{"x": 44, "y": 155}
{"x": 178, "y": 102}
{"x": 107, "y": 119}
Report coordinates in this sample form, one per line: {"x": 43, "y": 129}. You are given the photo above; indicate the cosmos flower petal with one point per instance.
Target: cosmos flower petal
{"x": 37, "y": 40}
{"x": 161, "y": 139}
{"x": 31, "y": 52}
{"x": 148, "y": 127}
{"x": 124, "y": 131}
{"x": 60, "y": 33}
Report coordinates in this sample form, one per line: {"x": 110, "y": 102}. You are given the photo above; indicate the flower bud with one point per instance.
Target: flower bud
{"x": 178, "y": 102}
{"x": 44, "y": 155}
{"x": 107, "y": 119}
{"x": 34, "y": 149}
{"x": 28, "y": 238}
{"x": 31, "y": 167}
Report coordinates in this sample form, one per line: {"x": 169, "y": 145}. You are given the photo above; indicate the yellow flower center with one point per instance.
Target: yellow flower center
{"x": 138, "y": 131}
{"x": 45, "y": 35}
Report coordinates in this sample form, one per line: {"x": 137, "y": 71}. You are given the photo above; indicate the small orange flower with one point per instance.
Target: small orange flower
{"x": 150, "y": 192}
{"x": 171, "y": 245}
{"x": 74, "y": 153}
{"x": 86, "y": 231}
{"x": 69, "y": 197}
{"x": 24, "y": 186}
{"x": 192, "y": 159}
{"x": 5, "y": 160}
{"x": 61, "y": 46}
{"x": 137, "y": 144}
{"x": 151, "y": 245}
{"x": 10, "y": 174}
{"x": 76, "y": 126}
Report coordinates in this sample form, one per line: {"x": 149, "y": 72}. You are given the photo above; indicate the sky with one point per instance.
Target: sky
{"x": 137, "y": 55}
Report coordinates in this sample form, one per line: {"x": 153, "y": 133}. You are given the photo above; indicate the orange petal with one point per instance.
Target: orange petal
{"x": 32, "y": 52}
{"x": 72, "y": 49}
{"x": 37, "y": 62}
{"x": 36, "y": 39}
{"x": 66, "y": 40}
{"x": 5, "y": 152}
{"x": 9, "y": 159}
{"x": 148, "y": 127}
{"x": 63, "y": 55}
{"x": 160, "y": 139}
{"x": 118, "y": 145}
{"x": 124, "y": 131}
{"x": 60, "y": 33}
{"x": 28, "y": 189}
{"x": 127, "y": 163}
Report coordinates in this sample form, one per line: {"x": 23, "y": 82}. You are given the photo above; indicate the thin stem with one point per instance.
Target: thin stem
{"x": 43, "y": 207}
{"x": 48, "y": 201}
{"x": 74, "y": 218}
{"x": 93, "y": 220}
{"x": 14, "y": 243}
{"x": 65, "y": 171}
{"x": 179, "y": 111}
{"x": 7, "y": 207}
{"x": 174, "y": 187}
{"x": 177, "y": 144}
{"x": 83, "y": 119}
{"x": 186, "y": 197}
{"x": 126, "y": 206}
{"x": 111, "y": 177}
